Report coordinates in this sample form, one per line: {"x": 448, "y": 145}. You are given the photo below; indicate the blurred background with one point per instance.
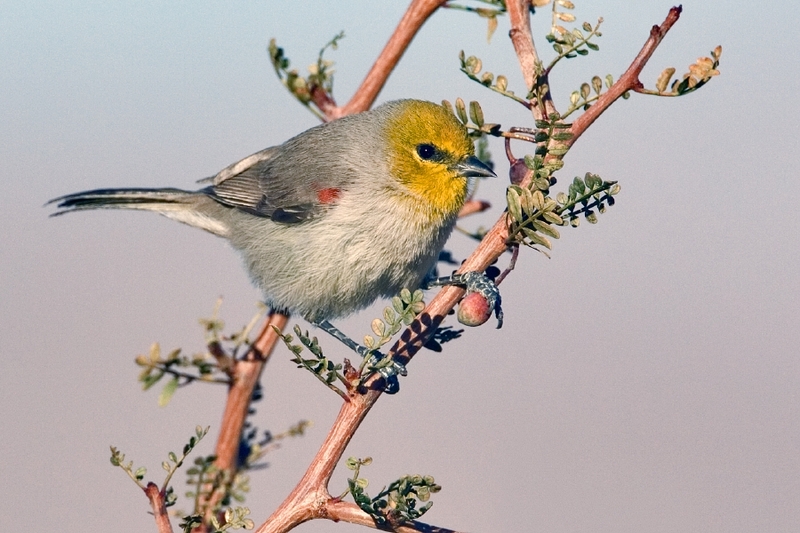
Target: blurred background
{"x": 646, "y": 378}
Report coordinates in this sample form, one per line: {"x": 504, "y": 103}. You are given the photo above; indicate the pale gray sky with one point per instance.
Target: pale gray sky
{"x": 647, "y": 375}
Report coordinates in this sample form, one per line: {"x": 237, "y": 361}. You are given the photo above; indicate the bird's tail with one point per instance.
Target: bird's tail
{"x": 192, "y": 208}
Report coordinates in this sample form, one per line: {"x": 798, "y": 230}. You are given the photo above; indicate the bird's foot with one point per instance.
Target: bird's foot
{"x": 388, "y": 369}
{"x": 477, "y": 283}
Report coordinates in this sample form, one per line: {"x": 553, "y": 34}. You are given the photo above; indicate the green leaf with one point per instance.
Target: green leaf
{"x": 542, "y": 184}
{"x": 537, "y": 200}
{"x": 547, "y": 229}
{"x": 514, "y": 204}
{"x": 563, "y": 136}
{"x": 553, "y": 218}
{"x": 580, "y": 187}
{"x": 597, "y": 84}
{"x": 167, "y": 392}
{"x": 476, "y": 113}
{"x": 461, "y": 111}
{"x": 536, "y": 238}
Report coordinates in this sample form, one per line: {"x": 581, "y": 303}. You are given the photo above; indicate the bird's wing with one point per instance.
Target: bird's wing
{"x": 270, "y": 185}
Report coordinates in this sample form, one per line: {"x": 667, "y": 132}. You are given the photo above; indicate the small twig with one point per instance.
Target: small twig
{"x": 190, "y": 378}
{"x": 224, "y": 361}
{"x": 629, "y": 80}
{"x": 471, "y": 207}
{"x": 511, "y": 265}
{"x": 156, "y": 498}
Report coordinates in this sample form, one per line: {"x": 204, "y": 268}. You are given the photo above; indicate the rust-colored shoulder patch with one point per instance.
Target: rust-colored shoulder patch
{"x": 328, "y": 196}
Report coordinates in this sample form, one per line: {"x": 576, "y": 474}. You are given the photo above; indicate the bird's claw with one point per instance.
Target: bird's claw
{"x": 388, "y": 369}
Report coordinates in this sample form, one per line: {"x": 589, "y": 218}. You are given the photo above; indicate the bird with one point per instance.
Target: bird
{"x": 336, "y": 217}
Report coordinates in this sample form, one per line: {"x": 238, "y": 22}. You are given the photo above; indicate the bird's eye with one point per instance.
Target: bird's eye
{"x": 426, "y": 151}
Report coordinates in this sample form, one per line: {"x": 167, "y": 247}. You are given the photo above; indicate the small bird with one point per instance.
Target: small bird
{"x": 336, "y": 217}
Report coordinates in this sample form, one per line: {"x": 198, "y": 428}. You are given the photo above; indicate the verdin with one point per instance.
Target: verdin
{"x": 335, "y": 217}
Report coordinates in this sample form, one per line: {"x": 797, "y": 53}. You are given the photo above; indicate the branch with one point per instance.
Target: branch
{"x": 310, "y": 499}
{"x": 418, "y": 12}
{"x": 529, "y": 62}
{"x": 245, "y": 374}
{"x": 156, "y": 498}
{"x": 522, "y": 39}
{"x": 629, "y": 80}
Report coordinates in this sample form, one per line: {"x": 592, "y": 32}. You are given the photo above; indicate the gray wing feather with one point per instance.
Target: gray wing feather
{"x": 283, "y": 182}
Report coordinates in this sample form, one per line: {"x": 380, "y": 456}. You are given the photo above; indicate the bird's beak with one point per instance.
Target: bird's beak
{"x": 472, "y": 167}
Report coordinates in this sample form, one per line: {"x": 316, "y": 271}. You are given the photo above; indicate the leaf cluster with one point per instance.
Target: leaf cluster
{"x": 206, "y": 479}
{"x": 201, "y": 367}
{"x": 588, "y": 93}
{"x": 570, "y": 43}
{"x": 472, "y": 66}
{"x": 235, "y": 518}
{"x": 320, "y": 73}
{"x": 473, "y": 119}
{"x": 533, "y": 214}
{"x": 171, "y": 465}
{"x": 320, "y": 366}
{"x": 396, "y": 503}
{"x": 405, "y": 308}
{"x": 699, "y": 74}
{"x": 212, "y": 366}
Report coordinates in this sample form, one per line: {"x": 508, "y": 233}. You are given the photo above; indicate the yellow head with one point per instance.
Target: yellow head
{"x": 431, "y": 154}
